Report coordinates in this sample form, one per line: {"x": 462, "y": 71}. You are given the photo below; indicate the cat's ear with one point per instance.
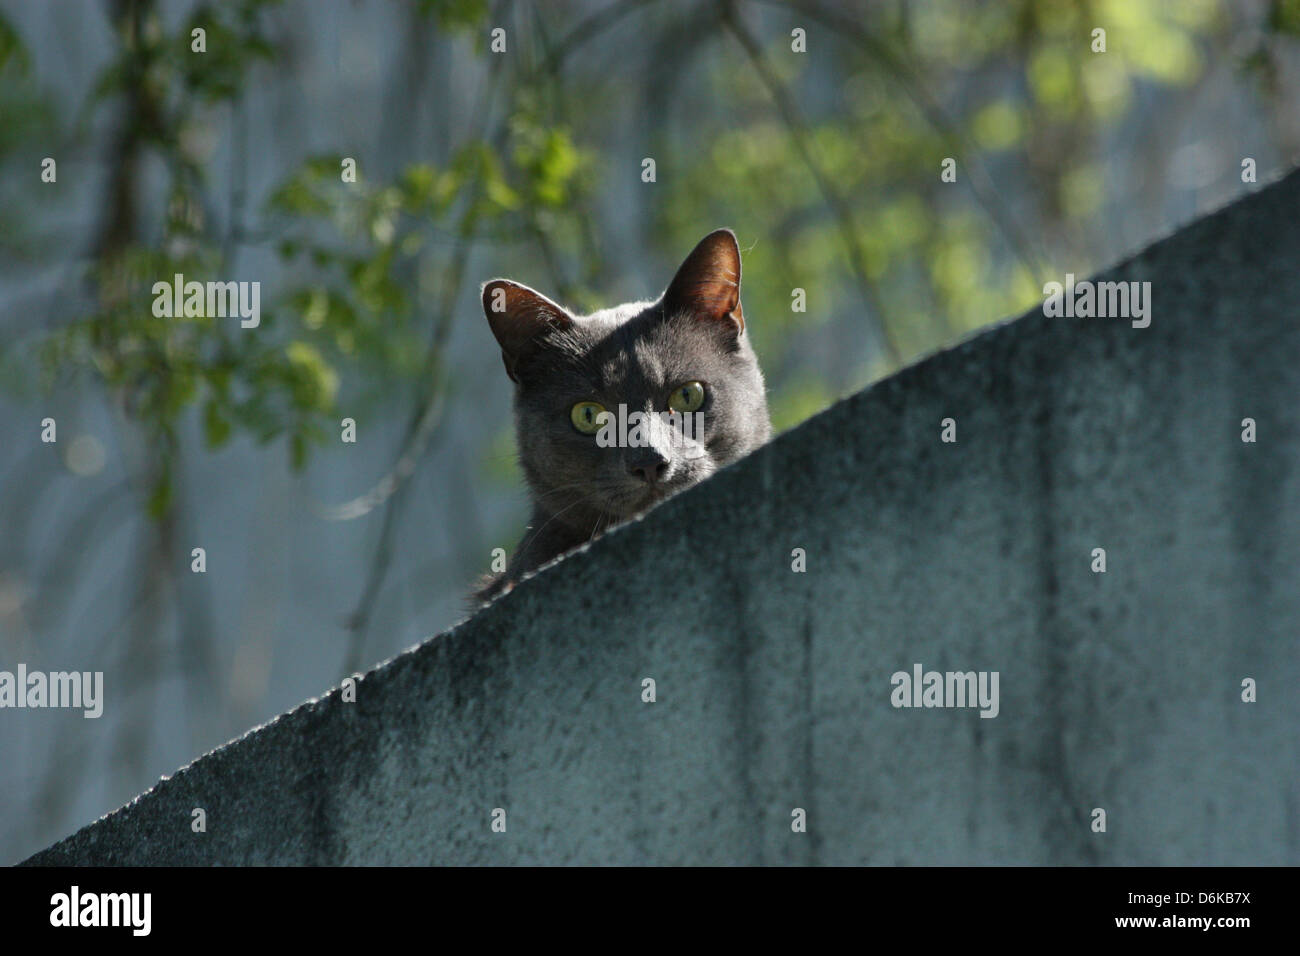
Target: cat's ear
{"x": 520, "y": 317}
{"x": 708, "y": 283}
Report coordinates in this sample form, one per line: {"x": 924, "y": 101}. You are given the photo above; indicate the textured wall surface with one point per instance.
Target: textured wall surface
{"x": 1119, "y": 690}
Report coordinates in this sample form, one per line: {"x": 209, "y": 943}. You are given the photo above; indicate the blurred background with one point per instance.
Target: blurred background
{"x": 822, "y": 150}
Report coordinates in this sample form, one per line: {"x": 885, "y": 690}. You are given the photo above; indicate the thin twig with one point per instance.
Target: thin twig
{"x": 843, "y": 214}
{"x": 980, "y": 182}
{"x": 593, "y": 25}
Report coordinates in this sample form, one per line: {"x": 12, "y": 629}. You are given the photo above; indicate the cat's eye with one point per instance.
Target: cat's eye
{"x": 586, "y": 417}
{"x": 687, "y": 398}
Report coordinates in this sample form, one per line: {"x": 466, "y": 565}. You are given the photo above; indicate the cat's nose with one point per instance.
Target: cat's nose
{"x": 650, "y": 469}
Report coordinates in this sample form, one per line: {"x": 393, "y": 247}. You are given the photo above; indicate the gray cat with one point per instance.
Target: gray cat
{"x": 684, "y": 362}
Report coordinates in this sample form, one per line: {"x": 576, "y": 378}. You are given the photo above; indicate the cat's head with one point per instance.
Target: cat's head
{"x": 686, "y": 352}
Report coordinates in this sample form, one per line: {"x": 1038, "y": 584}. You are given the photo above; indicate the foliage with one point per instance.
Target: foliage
{"x": 356, "y": 254}
{"x": 831, "y": 159}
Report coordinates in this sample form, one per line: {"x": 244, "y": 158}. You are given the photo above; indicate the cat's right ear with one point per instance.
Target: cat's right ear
{"x": 707, "y": 284}
{"x": 520, "y": 317}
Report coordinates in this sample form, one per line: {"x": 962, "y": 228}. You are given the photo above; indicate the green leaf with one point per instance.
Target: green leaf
{"x": 12, "y": 51}
{"x": 160, "y": 497}
{"x": 216, "y": 427}
{"x": 316, "y": 382}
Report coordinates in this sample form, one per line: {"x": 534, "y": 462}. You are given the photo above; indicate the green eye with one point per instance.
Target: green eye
{"x": 586, "y": 417}
{"x": 687, "y": 398}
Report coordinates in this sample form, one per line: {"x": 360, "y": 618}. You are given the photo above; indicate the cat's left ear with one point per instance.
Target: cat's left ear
{"x": 708, "y": 283}
{"x": 521, "y": 318}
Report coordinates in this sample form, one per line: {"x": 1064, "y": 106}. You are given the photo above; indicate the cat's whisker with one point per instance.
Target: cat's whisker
{"x": 556, "y": 492}
{"x": 546, "y": 523}
{"x": 595, "y": 483}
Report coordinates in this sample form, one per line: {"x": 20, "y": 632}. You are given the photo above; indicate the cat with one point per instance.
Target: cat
{"x": 686, "y": 352}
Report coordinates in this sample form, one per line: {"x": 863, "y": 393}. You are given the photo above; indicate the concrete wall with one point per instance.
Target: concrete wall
{"x": 1119, "y": 690}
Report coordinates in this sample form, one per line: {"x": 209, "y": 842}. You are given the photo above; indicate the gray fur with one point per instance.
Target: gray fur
{"x": 635, "y": 354}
